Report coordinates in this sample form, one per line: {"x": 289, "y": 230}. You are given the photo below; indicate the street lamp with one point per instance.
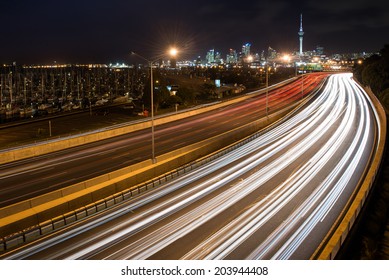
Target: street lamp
{"x": 286, "y": 58}
{"x": 172, "y": 52}
{"x": 267, "y": 90}
{"x": 302, "y": 85}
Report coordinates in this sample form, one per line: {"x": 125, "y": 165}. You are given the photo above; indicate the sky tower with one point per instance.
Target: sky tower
{"x": 301, "y": 33}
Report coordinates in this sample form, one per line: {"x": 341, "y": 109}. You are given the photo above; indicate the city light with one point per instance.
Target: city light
{"x": 221, "y": 137}
{"x": 173, "y": 52}
{"x": 286, "y": 58}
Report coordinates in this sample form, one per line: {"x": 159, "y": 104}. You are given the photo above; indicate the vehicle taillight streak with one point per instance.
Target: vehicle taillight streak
{"x": 275, "y": 197}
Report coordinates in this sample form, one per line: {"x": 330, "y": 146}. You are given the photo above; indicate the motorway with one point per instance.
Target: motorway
{"x": 275, "y": 197}
{"x": 32, "y": 177}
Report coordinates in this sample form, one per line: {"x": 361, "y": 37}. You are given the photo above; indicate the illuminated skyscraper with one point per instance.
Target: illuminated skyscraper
{"x": 210, "y": 56}
{"x": 232, "y": 57}
{"x": 218, "y": 58}
{"x": 271, "y": 53}
{"x": 246, "y": 49}
{"x": 301, "y": 33}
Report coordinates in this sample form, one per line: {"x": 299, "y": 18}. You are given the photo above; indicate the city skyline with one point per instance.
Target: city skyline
{"x": 106, "y": 31}
{"x": 194, "y": 130}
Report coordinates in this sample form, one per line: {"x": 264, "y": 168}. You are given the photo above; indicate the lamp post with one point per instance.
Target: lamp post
{"x": 172, "y": 52}
{"x": 295, "y": 66}
{"x": 302, "y": 85}
{"x": 267, "y": 90}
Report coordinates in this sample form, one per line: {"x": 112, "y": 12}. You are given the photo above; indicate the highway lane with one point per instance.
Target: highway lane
{"x": 28, "y": 178}
{"x": 274, "y": 198}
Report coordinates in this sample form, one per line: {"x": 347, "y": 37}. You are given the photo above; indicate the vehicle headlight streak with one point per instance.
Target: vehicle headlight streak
{"x": 186, "y": 223}
{"x": 339, "y": 111}
{"x": 177, "y": 203}
{"x": 257, "y": 216}
{"x": 346, "y": 168}
{"x": 332, "y": 103}
{"x": 164, "y": 236}
{"x": 183, "y": 180}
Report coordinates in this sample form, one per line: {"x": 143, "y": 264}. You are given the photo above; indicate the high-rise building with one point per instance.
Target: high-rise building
{"x": 218, "y": 58}
{"x": 271, "y": 53}
{"x": 319, "y": 50}
{"x": 210, "y": 56}
{"x": 263, "y": 55}
{"x": 198, "y": 60}
{"x": 257, "y": 57}
{"x": 301, "y": 33}
{"x": 246, "y": 49}
{"x": 232, "y": 57}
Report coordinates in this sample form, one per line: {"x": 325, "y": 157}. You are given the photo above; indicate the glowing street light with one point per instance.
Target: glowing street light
{"x": 286, "y": 58}
{"x": 172, "y": 52}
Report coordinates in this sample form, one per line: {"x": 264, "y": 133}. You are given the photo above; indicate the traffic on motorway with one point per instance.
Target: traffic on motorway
{"x": 275, "y": 197}
{"x": 39, "y": 175}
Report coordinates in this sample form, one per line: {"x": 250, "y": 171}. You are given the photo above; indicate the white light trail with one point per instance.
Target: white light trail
{"x": 314, "y": 156}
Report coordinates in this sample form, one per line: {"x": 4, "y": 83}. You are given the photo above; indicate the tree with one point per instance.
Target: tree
{"x": 171, "y": 101}
{"x": 208, "y": 91}
{"x": 160, "y": 93}
{"x": 374, "y": 72}
{"x": 187, "y": 95}
{"x": 374, "y": 76}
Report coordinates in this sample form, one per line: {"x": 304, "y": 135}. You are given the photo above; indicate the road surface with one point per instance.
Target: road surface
{"x": 275, "y": 197}
{"x": 35, "y": 176}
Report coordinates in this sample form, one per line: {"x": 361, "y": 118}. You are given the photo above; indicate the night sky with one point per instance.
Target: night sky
{"x": 104, "y": 31}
